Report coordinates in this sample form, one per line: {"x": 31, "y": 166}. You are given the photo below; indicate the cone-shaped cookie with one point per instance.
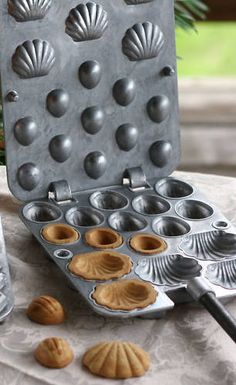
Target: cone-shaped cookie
{"x": 54, "y": 353}
{"x": 117, "y": 360}
{"x": 46, "y": 310}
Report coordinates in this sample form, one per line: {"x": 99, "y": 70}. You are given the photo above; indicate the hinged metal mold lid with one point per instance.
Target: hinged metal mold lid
{"x": 89, "y": 90}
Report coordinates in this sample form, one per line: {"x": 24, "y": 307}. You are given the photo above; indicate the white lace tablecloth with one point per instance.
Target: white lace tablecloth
{"x": 187, "y": 347}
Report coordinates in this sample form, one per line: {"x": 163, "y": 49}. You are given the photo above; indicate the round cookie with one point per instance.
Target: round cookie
{"x": 147, "y": 244}
{"x": 103, "y": 238}
{"x": 60, "y": 234}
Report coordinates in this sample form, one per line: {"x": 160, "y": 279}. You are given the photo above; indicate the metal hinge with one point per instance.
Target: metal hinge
{"x": 135, "y": 179}
{"x": 60, "y": 192}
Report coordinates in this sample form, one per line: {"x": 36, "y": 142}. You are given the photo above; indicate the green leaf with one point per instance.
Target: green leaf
{"x": 187, "y": 11}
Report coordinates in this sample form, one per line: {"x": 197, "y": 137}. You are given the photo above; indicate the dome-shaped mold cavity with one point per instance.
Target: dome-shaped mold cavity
{"x": 59, "y": 234}
{"x": 134, "y": 2}
{"x": 58, "y": 102}
{"x": 170, "y": 227}
{"x": 84, "y": 217}
{"x": 86, "y": 22}
{"x": 92, "y": 119}
{"x": 173, "y": 188}
{"x": 33, "y": 59}
{"x": 25, "y": 131}
{"x": 160, "y": 153}
{"x": 223, "y": 274}
{"x": 95, "y": 164}
{"x": 126, "y": 294}
{"x": 147, "y": 244}
{"x": 41, "y": 212}
{"x": 60, "y": 148}
{"x": 124, "y": 91}
{"x": 150, "y": 205}
{"x": 158, "y": 108}
{"x": 28, "y": 176}
{"x": 169, "y": 270}
{"x": 194, "y": 210}
{"x": 108, "y": 200}
{"x": 210, "y": 245}
{"x": 127, "y": 137}
{"x": 27, "y": 10}
{"x": 100, "y": 265}
{"x": 90, "y": 74}
{"x": 126, "y": 221}
{"x": 103, "y": 238}
{"x": 143, "y": 41}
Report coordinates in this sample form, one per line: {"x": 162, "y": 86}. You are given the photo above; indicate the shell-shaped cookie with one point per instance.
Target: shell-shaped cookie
{"x": 54, "y": 353}
{"x": 127, "y": 294}
{"x": 100, "y": 265}
{"x": 26, "y": 10}
{"x": 33, "y": 58}
{"x": 46, "y": 310}
{"x": 117, "y": 360}
{"x": 143, "y": 41}
{"x": 86, "y": 22}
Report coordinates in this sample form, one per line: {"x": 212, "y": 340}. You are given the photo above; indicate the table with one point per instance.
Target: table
{"x": 187, "y": 347}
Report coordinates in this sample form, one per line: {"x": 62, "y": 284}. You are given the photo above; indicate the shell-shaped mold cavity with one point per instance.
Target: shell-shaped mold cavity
{"x": 170, "y": 226}
{"x": 84, "y": 217}
{"x": 173, "y": 188}
{"x": 150, "y": 205}
{"x": 194, "y": 210}
{"x": 26, "y": 10}
{"x": 95, "y": 164}
{"x": 147, "y": 244}
{"x": 168, "y": 269}
{"x": 124, "y": 91}
{"x": 54, "y": 353}
{"x": 28, "y": 176}
{"x": 127, "y": 294}
{"x": 60, "y": 148}
{"x": 116, "y": 360}
{"x": 158, "y": 108}
{"x": 210, "y": 245}
{"x": 33, "y": 59}
{"x": 126, "y": 221}
{"x": 26, "y": 130}
{"x": 86, "y": 22}
{"x": 60, "y": 234}
{"x": 90, "y": 74}
{"x": 58, "y": 102}
{"x": 127, "y": 136}
{"x": 100, "y": 265}
{"x": 103, "y": 238}
{"x": 223, "y": 274}
{"x": 133, "y": 2}
{"x": 108, "y": 200}
{"x": 143, "y": 41}
{"x": 41, "y": 212}
{"x": 160, "y": 153}
{"x": 46, "y": 310}
{"x": 93, "y": 119}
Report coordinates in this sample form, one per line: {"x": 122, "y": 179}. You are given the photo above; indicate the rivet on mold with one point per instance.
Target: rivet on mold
{"x": 158, "y": 108}
{"x": 127, "y": 137}
{"x": 92, "y": 119}
{"x": 26, "y": 10}
{"x": 143, "y": 41}
{"x": 28, "y": 176}
{"x": 25, "y": 130}
{"x": 95, "y": 164}
{"x": 90, "y": 74}
{"x": 33, "y": 59}
{"x": 86, "y": 22}
{"x": 58, "y": 102}
{"x": 134, "y": 2}
{"x": 124, "y": 91}
{"x": 160, "y": 153}
{"x": 60, "y": 148}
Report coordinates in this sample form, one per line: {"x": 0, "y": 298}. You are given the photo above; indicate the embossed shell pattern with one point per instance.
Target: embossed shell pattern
{"x": 33, "y": 58}
{"x": 27, "y": 10}
{"x": 86, "y": 22}
{"x": 117, "y": 360}
{"x": 143, "y": 41}
{"x": 223, "y": 274}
